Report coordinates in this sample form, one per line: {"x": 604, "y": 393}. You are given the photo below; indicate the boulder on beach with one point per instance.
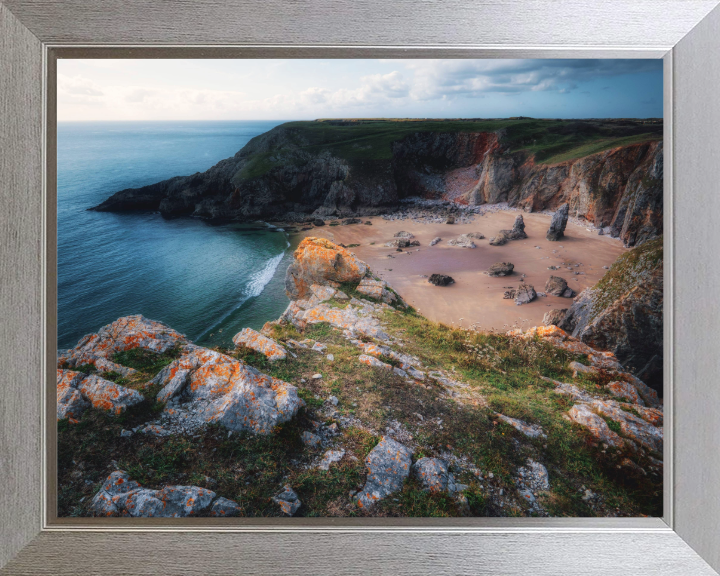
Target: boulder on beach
{"x": 450, "y": 220}
{"x": 554, "y": 317}
{"x": 440, "y": 280}
{"x": 402, "y": 243}
{"x": 557, "y": 286}
{"x": 435, "y": 240}
{"x": 525, "y": 294}
{"x": 351, "y": 221}
{"x": 558, "y": 223}
{"x": 518, "y": 229}
{"x": 501, "y": 269}
{"x": 319, "y": 222}
{"x": 502, "y": 238}
{"x": 403, "y": 234}
{"x": 463, "y": 241}
{"x": 319, "y": 261}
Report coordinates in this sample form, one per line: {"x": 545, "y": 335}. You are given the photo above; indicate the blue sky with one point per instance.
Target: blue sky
{"x": 308, "y": 89}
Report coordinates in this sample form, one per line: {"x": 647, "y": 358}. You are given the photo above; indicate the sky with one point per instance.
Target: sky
{"x": 91, "y": 90}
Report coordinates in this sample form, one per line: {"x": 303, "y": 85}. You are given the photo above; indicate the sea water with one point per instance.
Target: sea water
{"x": 205, "y": 281}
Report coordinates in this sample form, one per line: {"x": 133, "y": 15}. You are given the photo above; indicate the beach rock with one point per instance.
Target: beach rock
{"x": 388, "y": 466}
{"x": 558, "y": 223}
{"x": 288, "y": 501}
{"x": 126, "y": 333}
{"x": 256, "y": 341}
{"x": 216, "y": 388}
{"x": 501, "y": 238}
{"x": 319, "y": 222}
{"x": 435, "y": 240}
{"x": 525, "y": 294}
{"x": 509, "y": 294}
{"x": 501, "y": 269}
{"x": 348, "y": 221}
{"x": 106, "y": 395}
{"x": 319, "y": 261}
{"x": 583, "y": 415}
{"x": 432, "y": 473}
{"x": 554, "y": 317}
{"x": 462, "y": 241}
{"x": 450, "y": 220}
{"x": 225, "y": 508}
{"x": 330, "y": 457}
{"x": 440, "y": 280}
{"x": 403, "y": 234}
{"x": 402, "y": 243}
{"x": 70, "y": 403}
{"x": 557, "y": 286}
{"x": 518, "y": 229}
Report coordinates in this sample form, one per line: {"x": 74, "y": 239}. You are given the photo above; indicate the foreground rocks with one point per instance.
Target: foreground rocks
{"x": 205, "y": 386}
{"x": 120, "y": 496}
{"x": 558, "y": 223}
{"x": 319, "y": 261}
{"x": 77, "y": 391}
{"x": 388, "y": 466}
{"x": 126, "y": 333}
{"x": 554, "y": 317}
{"x": 524, "y": 294}
{"x": 557, "y": 286}
{"x": 256, "y": 341}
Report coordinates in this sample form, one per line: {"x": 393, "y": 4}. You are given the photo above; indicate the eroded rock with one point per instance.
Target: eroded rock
{"x": 256, "y": 341}
{"x": 70, "y": 403}
{"x": 524, "y": 294}
{"x": 557, "y": 286}
{"x": 558, "y": 223}
{"x": 554, "y": 317}
{"x": 441, "y": 280}
{"x": 583, "y": 415}
{"x": 388, "y": 466}
{"x": 501, "y": 269}
{"x": 106, "y": 395}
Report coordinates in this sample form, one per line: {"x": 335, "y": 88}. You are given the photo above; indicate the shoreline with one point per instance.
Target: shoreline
{"x": 475, "y": 300}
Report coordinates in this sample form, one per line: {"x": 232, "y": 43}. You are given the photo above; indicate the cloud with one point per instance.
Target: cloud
{"x": 437, "y": 79}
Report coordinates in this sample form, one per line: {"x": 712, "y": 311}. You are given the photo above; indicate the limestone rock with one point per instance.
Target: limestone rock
{"x": 583, "y": 415}
{"x": 530, "y": 430}
{"x": 440, "y": 280}
{"x": 374, "y": 362}
{"x": 554, "y": 317}
{"x": 70, "y": 403}
{"x": 256, "y": 341}
{"x": 288, "y": 501}
{"x": 501, "y": 269}
{"x": 631, "y": 426}
{"x": 525, "y": 294}
{"x": 124, "y": 334}
{"x": 533, "y": 476}
{"x": 322, "y": 292}
{"x": 318, "y": 261}
{"x": 217, "y": 388}
{"x": 225, "y": 508}
{"x": 106, "y": 395}
{"x": 388, "y": 466}
{"x": 558, "y": 223}
{"x": 625, "y": 391}
{"x": 375, "y": 289}
{"x": 432, "y": 473}
{"x": 330, "y": 457}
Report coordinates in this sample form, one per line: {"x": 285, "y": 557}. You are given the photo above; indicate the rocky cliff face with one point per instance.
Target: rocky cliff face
{"x": 623, "y": 313}
{"x": 281, "y": 174}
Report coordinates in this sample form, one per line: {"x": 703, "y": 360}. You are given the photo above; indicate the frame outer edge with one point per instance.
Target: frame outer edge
{"x": 697, "y": 357}
{"x": 20, "y": 282}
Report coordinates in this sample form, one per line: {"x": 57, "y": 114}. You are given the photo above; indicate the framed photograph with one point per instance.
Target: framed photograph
{"x": 281, "y": 281}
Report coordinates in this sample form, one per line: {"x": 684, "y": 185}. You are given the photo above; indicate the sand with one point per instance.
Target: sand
{"x": 476, "y": 299}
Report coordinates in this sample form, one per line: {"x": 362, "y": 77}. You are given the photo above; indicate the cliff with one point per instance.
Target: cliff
{"x": 609, "y": 171}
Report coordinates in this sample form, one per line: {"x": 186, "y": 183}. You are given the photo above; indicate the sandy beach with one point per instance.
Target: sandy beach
{"x": 476, "y": 299}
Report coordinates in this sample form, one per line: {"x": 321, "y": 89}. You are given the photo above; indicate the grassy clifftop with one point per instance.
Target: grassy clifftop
{"x": 550, "y": 141}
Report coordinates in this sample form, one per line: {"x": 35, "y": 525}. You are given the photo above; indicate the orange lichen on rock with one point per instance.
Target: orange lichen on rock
{"x": 106, "y": 395}
{"x": 70, "y": 403}
{"x": 256, "y": 341}
{"x": 319, "y": 261}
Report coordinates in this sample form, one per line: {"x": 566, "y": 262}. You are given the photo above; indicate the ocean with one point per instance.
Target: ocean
{"x": 205, "y": 281}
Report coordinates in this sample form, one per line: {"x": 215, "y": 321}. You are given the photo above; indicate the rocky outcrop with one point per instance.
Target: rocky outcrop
{"x": 126, "y": 333}
{"x": 388, "y": 466}
{"x": 319, "y": 261}
{"x": 623, "y": 312}
{"x": 77, "y": 391}
{"x": 517, "y": 233}
{"x": 255, "y": 341}
{"x": 557, "y": 286}
{"x": 558, "y": 223}
{"x": 553, "y": 317}
{"x": 288, "y": 173}
{"x": 70, "y": 402}
{"x": 204, "y": 386}
{"x": 441, "y": 280}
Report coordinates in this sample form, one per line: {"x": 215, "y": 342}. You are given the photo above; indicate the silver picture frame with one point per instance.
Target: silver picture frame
{"x": 33, "y": 35}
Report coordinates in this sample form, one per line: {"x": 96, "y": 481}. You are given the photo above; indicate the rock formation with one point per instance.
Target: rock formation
{"x": 388, "y": 466}
{"x": 440, "y": 280}
{"x": 558, "y": 223}
{"x": 623, "y": 312}
{"x": 319, "y": 261}
{"x": 554, "y": 317}
{"x": 524, "y": 294}
{"x": 557, "y": 286}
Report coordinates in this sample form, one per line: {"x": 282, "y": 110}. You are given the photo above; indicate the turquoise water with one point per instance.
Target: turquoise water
{"x": 206, "y": 281}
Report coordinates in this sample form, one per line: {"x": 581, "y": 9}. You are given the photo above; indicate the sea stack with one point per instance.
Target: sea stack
{"x": 558, "y": 223}
{"x": 518, "y": 229}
